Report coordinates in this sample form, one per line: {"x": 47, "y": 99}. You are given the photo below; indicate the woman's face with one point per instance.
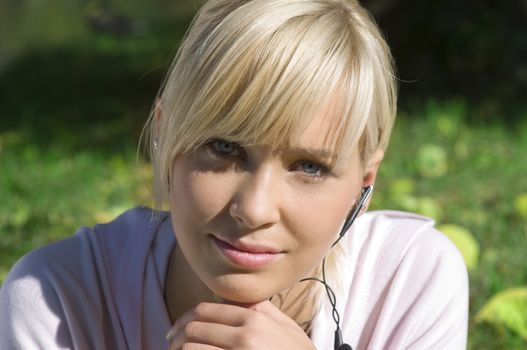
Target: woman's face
{"x": 252, "y": 221}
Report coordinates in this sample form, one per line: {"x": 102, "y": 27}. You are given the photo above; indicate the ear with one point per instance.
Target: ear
{"x": 372, "y": 167}
{"x": 371, "y": 172}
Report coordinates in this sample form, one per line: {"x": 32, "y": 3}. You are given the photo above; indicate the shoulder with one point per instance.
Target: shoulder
{"x": 406, "y": 246}
{"x": 413, "y": 245}
{"x": 399, "y": 236}
{"x": 58, "y": 287}
{"x": 70, "y": 257}
{"x": 32, "y": 296}
{"x": 386, "y": 222}
{"x": 416, "y": 278}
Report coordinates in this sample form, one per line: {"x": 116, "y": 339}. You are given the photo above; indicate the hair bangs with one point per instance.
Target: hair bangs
{"x": 259, "y": 72}
{"x": 268, "y": 90}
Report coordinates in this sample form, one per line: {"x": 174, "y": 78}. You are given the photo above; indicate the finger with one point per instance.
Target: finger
{"x": 208, "y": 323}
{"x": 214, "y": 334}
{"x": 268, "y": 308}
{"x": 196, "y": 346}
{"x": 226, "y": 314}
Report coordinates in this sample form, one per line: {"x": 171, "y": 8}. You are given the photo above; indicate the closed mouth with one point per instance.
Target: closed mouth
{"x": 247, "y": 247}
{"x": 248, "y": 256}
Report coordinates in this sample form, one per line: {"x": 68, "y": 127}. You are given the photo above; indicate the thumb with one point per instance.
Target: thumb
{"x": 268, "y": 308}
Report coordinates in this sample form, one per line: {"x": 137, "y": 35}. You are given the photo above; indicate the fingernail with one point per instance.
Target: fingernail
{"x": 171, "y": 334}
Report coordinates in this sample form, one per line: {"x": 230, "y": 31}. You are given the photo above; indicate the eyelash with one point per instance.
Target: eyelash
{"x": 322, "y": 173}
{"x": 213, "y": 147}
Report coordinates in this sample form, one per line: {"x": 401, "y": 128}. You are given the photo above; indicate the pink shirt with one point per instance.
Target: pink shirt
{"x": 403, "y": 285}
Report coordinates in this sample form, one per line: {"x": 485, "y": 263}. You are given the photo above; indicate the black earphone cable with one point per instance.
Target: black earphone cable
{"x": 338, "y": 343}
{"x": 330, "y": 293}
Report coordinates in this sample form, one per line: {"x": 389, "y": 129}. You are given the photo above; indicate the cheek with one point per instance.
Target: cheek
{"x": 327, "y": 211}
{"x": 196, "y": 199}
{"x": 318, "y": 220}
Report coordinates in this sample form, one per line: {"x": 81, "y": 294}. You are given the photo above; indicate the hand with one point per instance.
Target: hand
{"x": 260, "y": 326}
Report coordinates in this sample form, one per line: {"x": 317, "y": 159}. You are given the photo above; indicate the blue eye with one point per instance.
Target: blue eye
{"x": 311, "y": 168}
{"x": 225, "y": 147}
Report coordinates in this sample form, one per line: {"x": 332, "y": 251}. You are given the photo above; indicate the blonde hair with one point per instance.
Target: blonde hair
{"x": 257, "y": 71}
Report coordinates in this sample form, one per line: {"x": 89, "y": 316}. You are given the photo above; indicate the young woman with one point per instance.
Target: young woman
{"x": 265, "y": 141}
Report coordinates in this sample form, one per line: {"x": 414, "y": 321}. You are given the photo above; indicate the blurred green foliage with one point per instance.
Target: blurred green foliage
{"x": 465, "y": 242}
{"x": 73, "y": 104}
{"x": 507, "y": 309}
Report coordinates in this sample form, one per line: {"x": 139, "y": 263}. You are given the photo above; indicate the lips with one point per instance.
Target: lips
{"x": 246, "y": 255}
{"x": 249, "y": 248}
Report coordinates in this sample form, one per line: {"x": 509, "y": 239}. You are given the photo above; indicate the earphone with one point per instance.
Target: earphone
{"x": 361, "y": 203}
{"x": 338, "y": 343}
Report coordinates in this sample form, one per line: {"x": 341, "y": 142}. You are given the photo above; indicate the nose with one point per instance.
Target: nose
{"x": 256, "y": 202}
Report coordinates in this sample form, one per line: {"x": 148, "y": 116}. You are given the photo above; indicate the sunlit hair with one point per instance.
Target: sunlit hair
{"x": 256, "y": 72}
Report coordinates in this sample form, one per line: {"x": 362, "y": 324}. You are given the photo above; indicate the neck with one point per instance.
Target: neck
{"x": 297, "y": 302}
{"x": 184, "y": 290}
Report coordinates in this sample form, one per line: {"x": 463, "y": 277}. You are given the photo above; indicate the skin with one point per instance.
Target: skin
{"x": 292, "y": 199}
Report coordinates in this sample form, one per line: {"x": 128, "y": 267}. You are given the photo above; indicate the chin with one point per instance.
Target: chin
{"x": 241, "y": 289}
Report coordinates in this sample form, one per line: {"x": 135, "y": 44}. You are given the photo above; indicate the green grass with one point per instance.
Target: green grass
{"x": 71, "y": 117}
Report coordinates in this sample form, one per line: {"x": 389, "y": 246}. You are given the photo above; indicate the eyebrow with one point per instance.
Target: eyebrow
{"x": 317, "y": 152}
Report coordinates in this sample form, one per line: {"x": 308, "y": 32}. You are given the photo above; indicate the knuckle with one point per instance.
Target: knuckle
{"x": 201, "y": 309}
{"x": 191, "y": 329}
{"x": 255, "y": 320}
{"x": 249, "y": 337}
{"x": 244, "y": 341}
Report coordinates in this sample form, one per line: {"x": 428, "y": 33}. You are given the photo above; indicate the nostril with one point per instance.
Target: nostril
{"x": 234, "y": 212}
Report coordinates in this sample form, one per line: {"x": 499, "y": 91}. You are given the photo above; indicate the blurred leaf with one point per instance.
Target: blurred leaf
{"x": 429, "y": 207}
{"x": 402, "y": 186}
{"x": 507, "y": 308}
{"x": 421, "y": 205}
{"x": 20, "y": 215}
{"x": 431, "y": 161}
{"x": 447, "y": 125}
{"x": 521, "y": 205}
{"x": 464, "y": 241}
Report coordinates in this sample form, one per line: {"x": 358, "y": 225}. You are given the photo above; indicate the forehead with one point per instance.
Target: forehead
{"x": 316, "y": 140}
{"x": 322, "y": 131}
